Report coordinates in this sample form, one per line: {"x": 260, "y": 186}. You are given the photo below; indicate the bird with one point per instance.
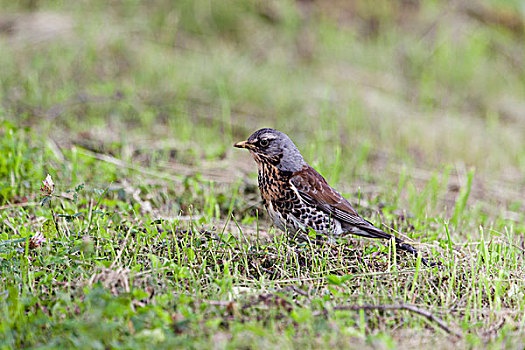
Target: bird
{"x": 298, "y": 198}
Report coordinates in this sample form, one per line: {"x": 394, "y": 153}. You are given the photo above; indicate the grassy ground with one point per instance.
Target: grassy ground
{"x": 155, "y": 234}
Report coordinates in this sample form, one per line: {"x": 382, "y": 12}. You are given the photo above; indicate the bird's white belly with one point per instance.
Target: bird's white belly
{"x": 276, "y": 217}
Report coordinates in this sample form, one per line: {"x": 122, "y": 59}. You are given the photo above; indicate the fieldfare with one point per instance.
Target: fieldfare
{"x": 297, "y": 197}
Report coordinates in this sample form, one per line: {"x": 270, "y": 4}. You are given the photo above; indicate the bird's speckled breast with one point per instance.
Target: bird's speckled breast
{"x": 276, "y": 192}
{"x": 285, "y": 207}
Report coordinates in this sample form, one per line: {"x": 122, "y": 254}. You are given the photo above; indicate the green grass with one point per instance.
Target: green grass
{"x": 156, "y": 235}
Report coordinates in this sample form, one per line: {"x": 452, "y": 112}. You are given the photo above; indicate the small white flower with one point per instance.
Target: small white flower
{"x": 48, "y": 186}
{"x": 36, "y": 240}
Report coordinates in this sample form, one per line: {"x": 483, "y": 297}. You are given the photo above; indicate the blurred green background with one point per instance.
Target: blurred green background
{"x": 366, "y": 89}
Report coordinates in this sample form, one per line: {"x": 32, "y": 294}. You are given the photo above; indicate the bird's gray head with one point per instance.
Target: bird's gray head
{"x": 275, "y": 147}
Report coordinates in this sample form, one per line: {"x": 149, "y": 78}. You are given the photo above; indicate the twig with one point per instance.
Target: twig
{"x": 270, "y": 299}
{"x": 14, "y": 205}
{"x": 181, "y": 170}
{"x": 427, "y": 314}
{"x": 120, "y": 163}
{"x": 293, "y": 289}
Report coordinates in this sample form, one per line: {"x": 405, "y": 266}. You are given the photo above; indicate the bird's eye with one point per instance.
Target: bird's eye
{"x": 264, "y": 142}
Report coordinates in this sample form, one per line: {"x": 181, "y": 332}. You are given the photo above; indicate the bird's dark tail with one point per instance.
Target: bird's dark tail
{"x": 369, "y": 230}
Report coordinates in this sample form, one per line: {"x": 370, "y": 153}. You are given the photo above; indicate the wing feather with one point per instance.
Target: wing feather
{"x": 313, "y": 189}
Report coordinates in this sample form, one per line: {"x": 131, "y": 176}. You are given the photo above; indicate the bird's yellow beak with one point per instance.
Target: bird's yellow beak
{"x": 243, "y": 144}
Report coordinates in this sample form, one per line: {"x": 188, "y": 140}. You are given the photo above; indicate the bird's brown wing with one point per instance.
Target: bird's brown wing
{"x": 314, "y": 190}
